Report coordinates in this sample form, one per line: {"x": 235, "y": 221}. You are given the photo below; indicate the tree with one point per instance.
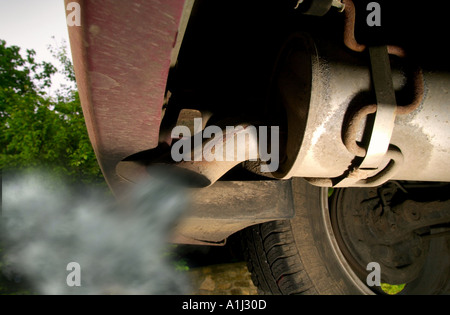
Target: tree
{"x": 38, "y": 130}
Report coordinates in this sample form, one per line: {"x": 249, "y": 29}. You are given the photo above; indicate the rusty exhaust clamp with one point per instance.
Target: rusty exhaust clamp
{"x": 350, "y": 125}
{"x": 385, "y": 112}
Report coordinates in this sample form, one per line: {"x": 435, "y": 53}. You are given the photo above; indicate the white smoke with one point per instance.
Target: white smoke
{"x": 119, "y": 247}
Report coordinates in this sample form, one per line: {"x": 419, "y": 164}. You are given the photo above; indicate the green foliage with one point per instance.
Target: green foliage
{"x": 38, "y": 130}
{"x": 60, "y": 53}
{"x": 330, "y": 192}
{"x": 392, "y": 289}
{"x": 179, "y": 263}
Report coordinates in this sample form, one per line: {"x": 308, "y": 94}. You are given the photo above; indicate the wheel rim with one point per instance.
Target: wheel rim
{"x": 334, "y": 241}
{"x": 419, "y": 270}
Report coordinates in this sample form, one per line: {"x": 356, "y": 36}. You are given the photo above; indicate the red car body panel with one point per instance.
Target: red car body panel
{"x": 122, "y": 55}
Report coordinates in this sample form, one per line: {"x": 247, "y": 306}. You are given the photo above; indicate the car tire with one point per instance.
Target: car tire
{"x": 302, "y": 256}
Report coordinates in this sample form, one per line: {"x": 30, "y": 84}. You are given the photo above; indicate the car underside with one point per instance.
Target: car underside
{"x": 355, "y": 94}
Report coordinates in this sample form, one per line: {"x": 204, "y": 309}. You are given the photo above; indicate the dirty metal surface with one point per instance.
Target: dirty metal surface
{"x": 340, "y": 84}
{"x": 226, "y": 207}
{"x": 122, "y": 55}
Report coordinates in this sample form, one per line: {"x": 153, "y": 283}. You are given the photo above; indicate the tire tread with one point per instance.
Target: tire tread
{"x": 273, "y": 260}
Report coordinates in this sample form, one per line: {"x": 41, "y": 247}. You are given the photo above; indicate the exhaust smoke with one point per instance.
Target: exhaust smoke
{"x": 120, "y": 247}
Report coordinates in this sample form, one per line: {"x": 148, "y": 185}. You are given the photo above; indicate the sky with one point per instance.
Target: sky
{"x": 30, "y": 24}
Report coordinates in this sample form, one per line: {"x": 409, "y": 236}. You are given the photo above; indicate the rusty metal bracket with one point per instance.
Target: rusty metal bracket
{"x": 361, "y": 177}
{"x": 385, "y": 112}
{"x": 386, "y": 107}
{"x": 349, "y": 32}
